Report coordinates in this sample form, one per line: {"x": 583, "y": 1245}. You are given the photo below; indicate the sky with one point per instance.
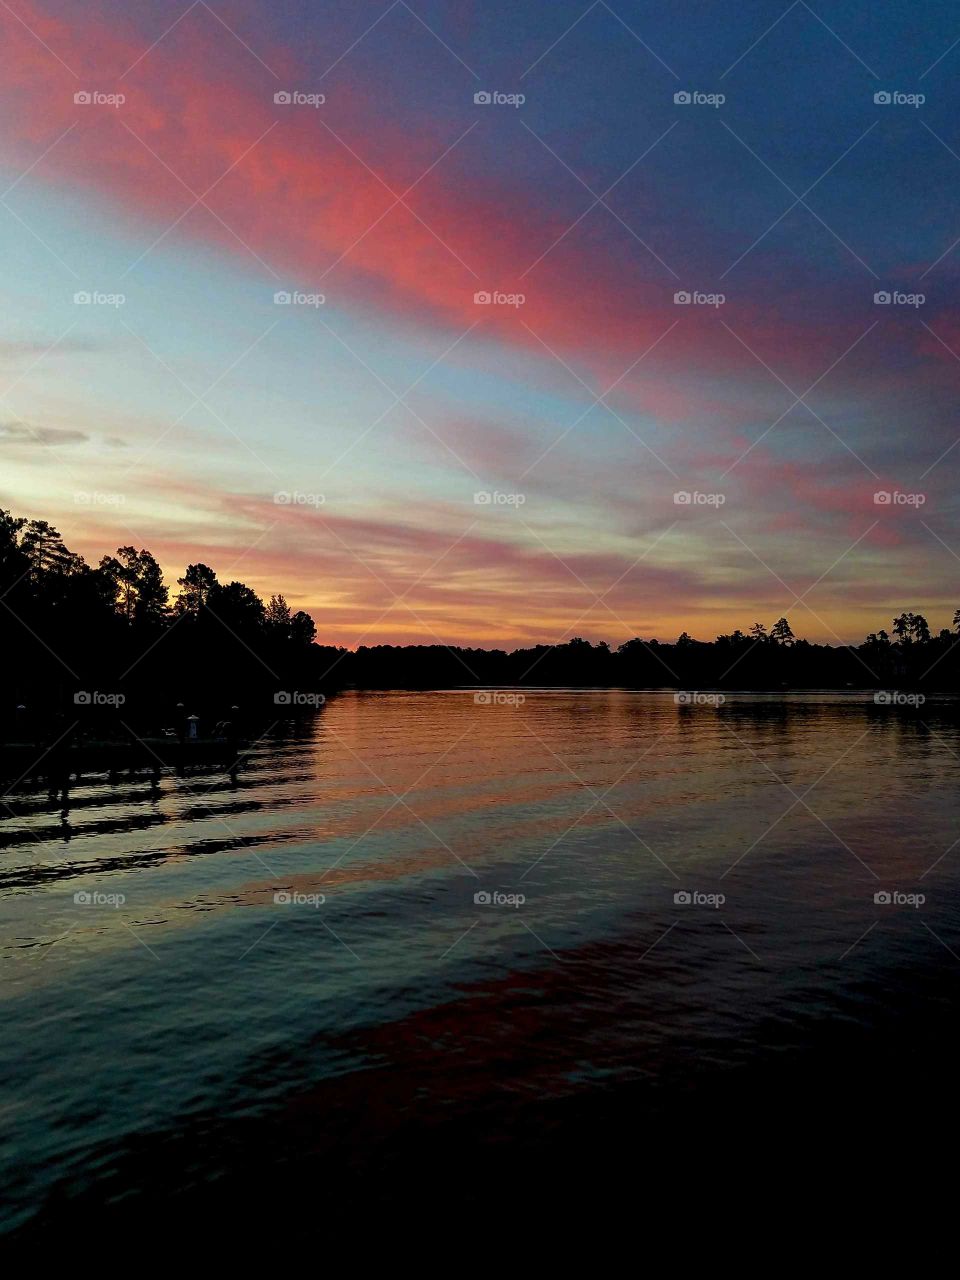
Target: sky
{"x": 242, "y": 246}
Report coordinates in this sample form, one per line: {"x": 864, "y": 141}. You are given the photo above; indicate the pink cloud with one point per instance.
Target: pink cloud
{"x": 303, "y": 199}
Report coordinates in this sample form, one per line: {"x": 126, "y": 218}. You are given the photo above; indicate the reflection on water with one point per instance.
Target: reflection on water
{"x": 434, "y": 925}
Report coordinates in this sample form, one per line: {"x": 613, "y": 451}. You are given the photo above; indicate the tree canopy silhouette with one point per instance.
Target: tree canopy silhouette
{"x": 69, "y": 628}
{"x": 73, "y": 634}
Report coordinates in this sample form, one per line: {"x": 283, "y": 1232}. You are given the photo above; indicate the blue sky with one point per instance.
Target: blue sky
{"x": 336, "y": 451}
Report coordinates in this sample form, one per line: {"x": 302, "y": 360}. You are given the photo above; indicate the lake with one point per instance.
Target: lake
{"x": 430, "y": 949}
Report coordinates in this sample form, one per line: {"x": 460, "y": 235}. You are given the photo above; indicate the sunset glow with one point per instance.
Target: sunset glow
{"x": 335, "y": 450}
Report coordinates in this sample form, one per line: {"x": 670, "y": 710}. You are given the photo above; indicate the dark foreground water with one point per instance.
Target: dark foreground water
{"x": 439, "y": 954}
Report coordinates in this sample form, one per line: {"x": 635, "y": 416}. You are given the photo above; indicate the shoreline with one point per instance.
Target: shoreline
{"x": 57, "y": 762}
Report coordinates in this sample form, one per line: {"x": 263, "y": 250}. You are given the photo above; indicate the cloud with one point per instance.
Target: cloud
{"x": 18, "y": 433}
{"x": 314, "y": 195}
{"x": 16, "y": 349}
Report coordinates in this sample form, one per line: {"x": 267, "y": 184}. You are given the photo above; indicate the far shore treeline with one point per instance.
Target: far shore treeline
{"x": 75, "y": 635}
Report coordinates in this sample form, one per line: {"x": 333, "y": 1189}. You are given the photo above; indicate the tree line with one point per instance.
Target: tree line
{"x": 76, "y": 635}
{"x": 113, "y": 631}
{"x": 756, "y": 659}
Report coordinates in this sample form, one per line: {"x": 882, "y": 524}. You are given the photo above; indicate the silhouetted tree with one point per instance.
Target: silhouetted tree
{"x": 136, "y": 583}
{"x": 43, "y": 547}
{"x": 902, "y": 628}
{"x": 13, "y": 562}
{"x": 303, "y": 629}
{"x": 278, "y": 617}
{"x": 911, "y": 628}
{"x": 781, "y": 633}
{"x": 236, "y": 605}
{"x": 195, "y": 588}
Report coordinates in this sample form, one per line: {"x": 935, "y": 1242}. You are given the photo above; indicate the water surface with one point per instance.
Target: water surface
{"x": 431, "y": 942}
